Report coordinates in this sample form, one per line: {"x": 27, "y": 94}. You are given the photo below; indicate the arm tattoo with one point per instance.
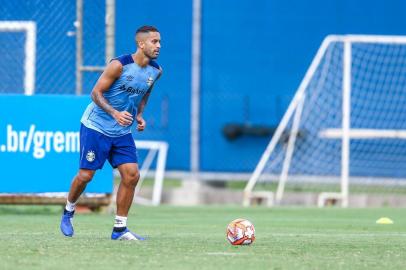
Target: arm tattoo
{"x": 102, "y": 102}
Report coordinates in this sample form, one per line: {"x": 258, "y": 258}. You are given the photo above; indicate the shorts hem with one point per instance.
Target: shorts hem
{"x": 123, "y": 162}
{"x": 88, "y": 168}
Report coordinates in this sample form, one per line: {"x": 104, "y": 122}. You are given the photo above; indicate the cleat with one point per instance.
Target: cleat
{"x": 66, "y": 223}
{"x": 126, "y": 235}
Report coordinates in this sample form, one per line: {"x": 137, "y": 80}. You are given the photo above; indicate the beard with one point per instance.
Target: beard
{"x": 152, "y": 55}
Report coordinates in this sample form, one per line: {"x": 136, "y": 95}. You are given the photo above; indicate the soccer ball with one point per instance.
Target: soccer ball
{"x": 240, "y": 232}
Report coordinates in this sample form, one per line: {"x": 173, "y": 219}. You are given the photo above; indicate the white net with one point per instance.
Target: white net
{"x": 54, "y": 48}
{"x": 377, "y": 122}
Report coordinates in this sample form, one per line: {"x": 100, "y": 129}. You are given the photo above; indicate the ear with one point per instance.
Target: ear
{"x": 141, "y": 44}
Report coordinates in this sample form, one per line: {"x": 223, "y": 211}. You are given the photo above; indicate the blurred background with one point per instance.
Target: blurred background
{"x": 230, "y": 71}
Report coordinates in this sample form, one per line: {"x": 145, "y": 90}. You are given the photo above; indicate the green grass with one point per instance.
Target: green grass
{"x": 321, "y": 187}
{"x": 149, "y": 182}
{"x": 194, "y": 238}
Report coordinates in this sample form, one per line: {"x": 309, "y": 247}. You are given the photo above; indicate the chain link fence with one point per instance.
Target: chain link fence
{"x": 47, "y": 64}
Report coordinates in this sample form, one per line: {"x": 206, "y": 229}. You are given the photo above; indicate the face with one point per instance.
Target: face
{"x": 150, "y": 44}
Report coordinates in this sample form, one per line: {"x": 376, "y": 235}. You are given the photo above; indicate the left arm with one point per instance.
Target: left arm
{"x": 140, "y": 120}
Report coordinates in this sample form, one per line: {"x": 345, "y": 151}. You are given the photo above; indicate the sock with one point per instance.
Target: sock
{"x": 120, "y": 224}
{"x": 70, "y": 207}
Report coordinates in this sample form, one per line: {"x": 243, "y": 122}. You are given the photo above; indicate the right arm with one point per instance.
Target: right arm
{"x": 109, "y": 76}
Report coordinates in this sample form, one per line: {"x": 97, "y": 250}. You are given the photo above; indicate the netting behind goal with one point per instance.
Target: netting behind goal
{"x": 345, "y": 130}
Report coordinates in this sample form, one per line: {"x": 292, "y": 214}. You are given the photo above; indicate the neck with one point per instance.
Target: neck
{"x": 140, "y": 58}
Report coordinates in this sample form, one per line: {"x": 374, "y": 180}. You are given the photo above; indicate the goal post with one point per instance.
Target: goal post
{"x": 346, "y": 120}
{"x": 30, "y": 30}
{"x": 156, "y": 150}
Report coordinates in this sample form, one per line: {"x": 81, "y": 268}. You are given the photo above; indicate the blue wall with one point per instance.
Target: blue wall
{"x": 254, "y": 55}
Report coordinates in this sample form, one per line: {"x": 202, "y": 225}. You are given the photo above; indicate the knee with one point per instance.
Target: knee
{"x": 132, "y": 178}
{"x": 85, "y": 176}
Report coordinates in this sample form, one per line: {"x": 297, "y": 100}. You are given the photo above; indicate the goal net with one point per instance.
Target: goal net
{"x": 346, "y": 125}
{"x": 18, "y": 36}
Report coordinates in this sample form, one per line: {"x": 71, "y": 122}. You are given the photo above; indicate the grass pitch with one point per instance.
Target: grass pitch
{"x": 194, "y": 238}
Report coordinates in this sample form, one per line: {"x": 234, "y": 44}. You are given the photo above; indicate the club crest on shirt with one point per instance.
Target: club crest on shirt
{"x": 90, "y": 156}
{"x": 150, "y": 81}
{"x": 130, "y": 78}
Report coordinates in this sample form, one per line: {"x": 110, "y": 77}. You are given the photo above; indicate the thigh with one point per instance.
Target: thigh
{"x": 123, "y": 151}
{"x": 94, "y": 148}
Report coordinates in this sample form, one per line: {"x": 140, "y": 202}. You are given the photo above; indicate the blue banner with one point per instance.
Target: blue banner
{"x": 39, "y": 144}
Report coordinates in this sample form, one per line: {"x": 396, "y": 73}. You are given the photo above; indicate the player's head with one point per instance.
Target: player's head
{"x": 148, "y": 41}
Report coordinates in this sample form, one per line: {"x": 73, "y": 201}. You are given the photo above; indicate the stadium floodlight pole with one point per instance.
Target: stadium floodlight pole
{"x": 79, "y": 46}
{"x": 195, "y": 88}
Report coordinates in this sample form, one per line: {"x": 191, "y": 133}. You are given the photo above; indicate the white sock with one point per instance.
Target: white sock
{"x": 120, "y": 222}
{"x": 70, "y": 206}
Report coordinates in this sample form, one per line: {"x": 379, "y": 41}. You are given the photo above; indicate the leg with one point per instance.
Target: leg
{"x": 79, "y": 184}
{"x": 124, "y": 157}
{"x": 129, "y": 178}
{"x": 94, "y": 151}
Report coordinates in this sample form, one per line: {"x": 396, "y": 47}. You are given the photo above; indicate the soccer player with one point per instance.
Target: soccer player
{"x": 119, "y": 97}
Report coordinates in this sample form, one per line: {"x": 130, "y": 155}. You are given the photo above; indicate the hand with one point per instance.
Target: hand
{"x": 123, "y": 118}
{"x": 141, "y": 123}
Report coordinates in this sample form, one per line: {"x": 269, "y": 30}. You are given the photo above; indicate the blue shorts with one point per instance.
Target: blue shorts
{"x": 95, "y": 148}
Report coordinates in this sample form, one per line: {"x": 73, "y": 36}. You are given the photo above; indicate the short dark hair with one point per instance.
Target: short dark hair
{"x": 146, "y": 29}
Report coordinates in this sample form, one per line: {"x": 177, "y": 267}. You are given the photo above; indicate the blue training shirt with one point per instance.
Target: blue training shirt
{"x": 125, "y": 94}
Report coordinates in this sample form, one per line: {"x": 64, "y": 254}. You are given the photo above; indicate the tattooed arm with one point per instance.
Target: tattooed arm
{"x": 108, "y": 77}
